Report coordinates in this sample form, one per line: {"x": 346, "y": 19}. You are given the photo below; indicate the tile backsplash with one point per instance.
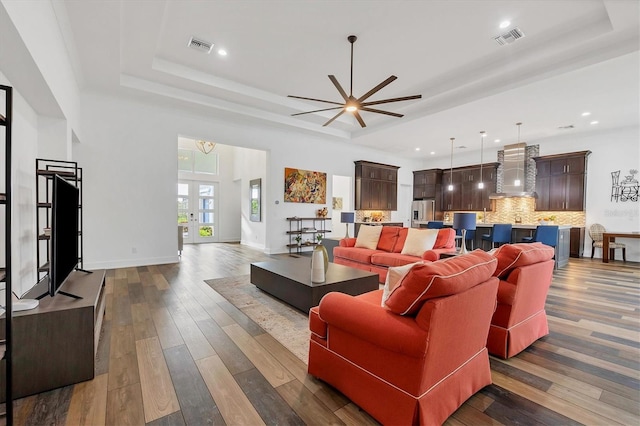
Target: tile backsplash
{"x": 506, "y": 210}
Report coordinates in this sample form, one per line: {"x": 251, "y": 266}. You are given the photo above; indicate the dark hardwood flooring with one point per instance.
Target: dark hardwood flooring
{"x": 174, "y": 352}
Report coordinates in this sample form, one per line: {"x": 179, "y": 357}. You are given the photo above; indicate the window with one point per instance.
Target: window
{"x": 197, "y": 162}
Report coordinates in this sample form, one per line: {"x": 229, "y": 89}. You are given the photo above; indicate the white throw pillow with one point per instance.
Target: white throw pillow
{"x": 395, "y": 274}
{"x": 419, "y": 240}
{"x": 368, "y": 236}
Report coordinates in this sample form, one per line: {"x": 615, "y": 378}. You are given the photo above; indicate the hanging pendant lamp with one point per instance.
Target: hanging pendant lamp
{"x": 517, "y": 181}
{"x": 482, "y": 135}
{"x": 450, "y": 187}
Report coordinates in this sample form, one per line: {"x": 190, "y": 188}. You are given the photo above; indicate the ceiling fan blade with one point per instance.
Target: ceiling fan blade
{"x": 379, "y": 111}
{"x": 378, "y": 87}
{"x": 334, "y": 117}
{"x": 317, "y": 110}
{"x": 356, "y": 114}
{"x": 385, "y": 101}
{"x": 334, "y": 80}
{"x": 313, "y": 99}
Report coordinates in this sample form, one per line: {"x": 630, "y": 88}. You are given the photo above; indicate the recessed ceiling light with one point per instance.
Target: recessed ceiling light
{"x": 497, "y": 140}
{"x": 586, "y": 113}
{"x": 222, "y": 52}
{"x": 417, "y": 149}
{"x": 433, "y": 153}
{"x": 594, "y": 122}
{"x": 505, "y": 24}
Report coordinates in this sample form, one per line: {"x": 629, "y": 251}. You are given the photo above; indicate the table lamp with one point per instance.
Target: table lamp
{"x": 347, "y": 217}
{"x": 464, "y": 222}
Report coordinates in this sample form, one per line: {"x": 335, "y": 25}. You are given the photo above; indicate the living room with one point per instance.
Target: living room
{"x": 122, "y": 128}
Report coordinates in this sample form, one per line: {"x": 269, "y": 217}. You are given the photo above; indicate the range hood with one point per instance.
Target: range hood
{"x": 512, "y": 182}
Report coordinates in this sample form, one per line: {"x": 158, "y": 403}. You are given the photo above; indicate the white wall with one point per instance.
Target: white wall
{"x": 23, "y": 236}
{"x": 251, "y": 164}
{"x": 343, "y": 188}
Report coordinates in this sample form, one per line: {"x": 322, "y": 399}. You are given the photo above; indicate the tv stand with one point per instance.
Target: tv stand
{"x": 74, "y": 296}
{"x": 54, "y": 345}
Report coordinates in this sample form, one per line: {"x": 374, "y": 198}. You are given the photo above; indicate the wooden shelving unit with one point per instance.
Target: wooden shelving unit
{"x": 296, "y": 228}
{"x": 45, "y": 171}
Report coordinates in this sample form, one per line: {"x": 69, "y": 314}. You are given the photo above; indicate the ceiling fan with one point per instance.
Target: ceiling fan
{"x": 355, "y": 105}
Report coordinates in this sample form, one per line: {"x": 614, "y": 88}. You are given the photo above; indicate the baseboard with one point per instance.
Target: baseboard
{"x": 253, "y": 245}
{"x": 128, "y": 263}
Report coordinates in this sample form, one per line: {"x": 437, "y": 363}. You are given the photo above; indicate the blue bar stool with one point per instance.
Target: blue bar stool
{"x": 434, "y": 224}
{"x": 545, "y": 234}
{"x": 500, "y": 233}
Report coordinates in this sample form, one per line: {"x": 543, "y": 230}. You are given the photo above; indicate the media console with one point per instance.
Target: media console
{"x": 54, "y": 345}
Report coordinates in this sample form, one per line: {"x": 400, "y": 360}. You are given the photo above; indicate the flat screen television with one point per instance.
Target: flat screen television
{"x": 64, "y": 232}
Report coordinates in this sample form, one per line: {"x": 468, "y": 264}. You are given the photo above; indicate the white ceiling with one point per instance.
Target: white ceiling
{"x": 576, "y": 56}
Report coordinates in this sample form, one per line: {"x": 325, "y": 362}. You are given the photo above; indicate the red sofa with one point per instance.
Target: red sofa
{"x": 416, "y": 368}
{"x": 525, "y": 272}
{"x": 388, "y": 251}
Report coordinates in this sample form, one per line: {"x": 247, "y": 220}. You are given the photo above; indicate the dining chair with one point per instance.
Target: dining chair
{"x": 595, "y": 232}
{"x": 500, "y": 233}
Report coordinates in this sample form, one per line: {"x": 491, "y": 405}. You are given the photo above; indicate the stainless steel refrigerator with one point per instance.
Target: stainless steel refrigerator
{"x": 422, "y": 211}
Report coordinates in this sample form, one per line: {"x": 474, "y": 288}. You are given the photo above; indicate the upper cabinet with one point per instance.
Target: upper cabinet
{"x": 426, "y": 183}
{"x": 561, "y": 181}
{"x": 376, "y": 186}
{"x": 466, "y": 195}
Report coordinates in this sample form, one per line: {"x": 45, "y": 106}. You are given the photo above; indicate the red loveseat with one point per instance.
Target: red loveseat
{"x": 525, "y": 272}
{"x": 416, "y": 368}
{"x": 388, "y": 251}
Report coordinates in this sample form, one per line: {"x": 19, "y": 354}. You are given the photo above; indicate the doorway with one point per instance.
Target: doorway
{"x": 198, "y": 211}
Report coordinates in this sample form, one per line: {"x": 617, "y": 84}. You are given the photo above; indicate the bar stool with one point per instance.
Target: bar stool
{"x": 500, "y": 233}
{"x": 434, "y": 224}
{"x": 545, "y": 234}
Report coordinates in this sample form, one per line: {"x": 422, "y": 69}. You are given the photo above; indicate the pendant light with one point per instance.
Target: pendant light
{"x": 482, "y": 135}
{"x": 450, "y": 187}
{"x": 517, "y": 181}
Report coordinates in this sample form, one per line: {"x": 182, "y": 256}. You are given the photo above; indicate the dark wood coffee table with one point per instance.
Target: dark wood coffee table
{"x": 290, "y": 281}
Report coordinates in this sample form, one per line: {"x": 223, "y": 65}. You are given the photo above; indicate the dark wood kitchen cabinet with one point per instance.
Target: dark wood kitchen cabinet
{"x": 561, "y": 181}
{"x": 376, "y": 186}
{"x": 466, "y": 195}
{"x": 426, "y": 184}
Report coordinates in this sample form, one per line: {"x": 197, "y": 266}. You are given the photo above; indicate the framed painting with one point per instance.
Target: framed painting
{"x": 255, "y": 213}
{"x": 304, "y": 186}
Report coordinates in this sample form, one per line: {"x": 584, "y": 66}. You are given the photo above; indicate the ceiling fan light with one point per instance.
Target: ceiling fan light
{"x": 351, "y": 108}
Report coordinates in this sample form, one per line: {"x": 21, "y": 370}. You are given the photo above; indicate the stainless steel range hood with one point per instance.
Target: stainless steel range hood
{"x": 513, "y": 180}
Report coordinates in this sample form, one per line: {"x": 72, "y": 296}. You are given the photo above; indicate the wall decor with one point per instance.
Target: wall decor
{"x": 337, "y": 203}
{"x": 255, "y": 213}
{"x": 304, "y": 186}
{"x": 623, "y": 190}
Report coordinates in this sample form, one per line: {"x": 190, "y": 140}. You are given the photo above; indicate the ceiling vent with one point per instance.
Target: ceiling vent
{"x": 567, "y": 127}
{"x": 201, "y": 45}
{"x": 509, "y": 37}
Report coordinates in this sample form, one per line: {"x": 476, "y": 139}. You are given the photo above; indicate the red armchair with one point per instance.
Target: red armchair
{"x": 416, "y": 368}
{"x": 525, "y": 272}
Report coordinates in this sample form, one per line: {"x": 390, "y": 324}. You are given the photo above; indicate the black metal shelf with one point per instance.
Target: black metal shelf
{"x": 46, "y": 169}
{"x": 5, "y": 199}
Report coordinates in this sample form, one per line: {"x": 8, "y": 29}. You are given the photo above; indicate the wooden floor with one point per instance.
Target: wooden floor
{"x": 173, "y": 352}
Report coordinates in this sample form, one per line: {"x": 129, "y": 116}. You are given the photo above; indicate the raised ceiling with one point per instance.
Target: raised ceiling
{"x": 576, "y": 56}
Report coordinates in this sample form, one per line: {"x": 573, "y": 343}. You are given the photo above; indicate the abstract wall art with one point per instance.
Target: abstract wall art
{"x": 304, "y": 186}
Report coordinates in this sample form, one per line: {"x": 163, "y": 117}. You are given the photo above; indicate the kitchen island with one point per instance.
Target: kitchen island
{"x": 519, "y": 230}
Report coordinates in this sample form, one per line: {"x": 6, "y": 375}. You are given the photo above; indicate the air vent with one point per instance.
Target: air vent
{"x": 461, "y": 147}
{"x": 567, "y": 127}
{"x": 201, "y": 45}
{"x": 509, "y": 37}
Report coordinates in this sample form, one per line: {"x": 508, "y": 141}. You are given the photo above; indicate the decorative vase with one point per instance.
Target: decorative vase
{"x": 319, "y": 264}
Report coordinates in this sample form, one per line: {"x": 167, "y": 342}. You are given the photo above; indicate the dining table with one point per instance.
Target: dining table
{"x": 608, "y": 237}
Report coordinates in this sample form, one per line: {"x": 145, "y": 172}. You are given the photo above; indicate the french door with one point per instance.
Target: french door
{"x": 198, "y": 211}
